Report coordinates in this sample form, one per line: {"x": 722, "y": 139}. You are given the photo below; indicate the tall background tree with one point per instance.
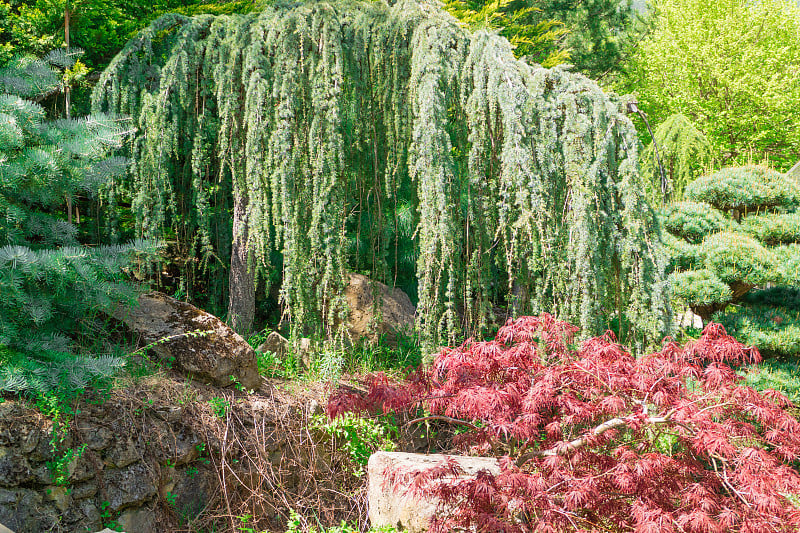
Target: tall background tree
{"x": 594, "y": 35}
{"x": 535, "y": 37}
{"x": 600, "y": 31}
{"x": 729, "y": 67}
{"x": 99, "y": 27}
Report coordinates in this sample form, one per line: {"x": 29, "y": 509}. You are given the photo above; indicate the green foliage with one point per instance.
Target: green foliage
{"x": 297, "y": 524}
{"x": 735, "y": 257}
{"x": 775, "y": 331}
{"x": 220, "y": 406}
{"x": 359, "y": 437}
{"x": 257, "y": 339}
{"x": 787, "y": 259}
{"x": 100, "y": 27}
{"x": 685, "y": 154}
{"x": 272, "y": 367}
{"x": 330, "y": 363}
{"x": 387, "y": 139}
{"x": 783, "y": 376}
{"x": 201, "y": 453}
{"x": 52, "y": 297}
{"x": 59, "y": 467}
{"x": 54, "y": 372}
{"x": 54, "y": 290}
{"x": 746, "y": 189}
{"x": 107, "y": 518}
{"x": 593, "y": 35}
{"x": 699, "y": 288}
{"x": 362, "y": 358}
{"x": 682, "y": 255}
{"x": 382, "y": 356}
{"x": 773, "y": 229}
{"x": 219, "y": 7}
{"x": 739, "y": 254}
{"x": 693, "y": 221}
{"x": 531, "y": 37}
{"x": 269, "y": 364}
{"x": 57, "y": 404}
{"x": 365, "y": 357}
{"x": 602, "y": 32}
{"x": 782, "y": 296}
{"x": 729, "y": 66}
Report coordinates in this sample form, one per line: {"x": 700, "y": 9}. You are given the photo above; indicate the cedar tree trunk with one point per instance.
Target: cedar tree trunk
{"x": 241, "y": 283}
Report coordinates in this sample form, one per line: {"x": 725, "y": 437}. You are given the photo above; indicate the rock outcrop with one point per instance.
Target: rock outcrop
{"x": 377, "y": 309}
{"x": 212, "y": 357}
{"x": 110, "y": 469}
{"x": 394, "y": 506}
{"x": 275, "y": 343}
{"x": 152, "y": 457}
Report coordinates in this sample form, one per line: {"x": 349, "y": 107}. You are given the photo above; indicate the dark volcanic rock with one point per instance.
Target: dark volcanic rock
{"x": 129, "y": 487}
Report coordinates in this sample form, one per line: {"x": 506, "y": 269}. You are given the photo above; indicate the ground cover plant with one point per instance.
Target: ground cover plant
{"x": 593, "y": 439}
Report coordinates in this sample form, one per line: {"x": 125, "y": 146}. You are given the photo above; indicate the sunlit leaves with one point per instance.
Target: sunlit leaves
{"x": 730, "y": 67}
{"x": 591, "y": 435}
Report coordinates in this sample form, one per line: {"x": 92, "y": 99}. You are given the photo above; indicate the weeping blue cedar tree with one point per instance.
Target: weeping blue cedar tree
{"x": 342, "y": 135}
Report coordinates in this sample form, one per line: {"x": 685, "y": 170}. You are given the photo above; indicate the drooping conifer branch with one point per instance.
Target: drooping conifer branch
{"x": 386, "y": 138}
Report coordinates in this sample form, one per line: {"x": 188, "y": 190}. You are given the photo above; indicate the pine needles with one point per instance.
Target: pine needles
{"x": 53, "y": 289}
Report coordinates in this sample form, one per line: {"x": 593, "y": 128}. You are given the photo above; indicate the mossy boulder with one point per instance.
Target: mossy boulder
{"x": 195, "y": 342}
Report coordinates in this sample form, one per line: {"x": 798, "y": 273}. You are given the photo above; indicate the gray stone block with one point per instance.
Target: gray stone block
{"x": 393, "y": 505}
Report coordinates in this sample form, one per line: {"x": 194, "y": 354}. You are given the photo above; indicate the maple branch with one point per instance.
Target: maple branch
{"x": 598, "y": 378}
{"x": 582, "y": 441}
{"x": 725, "y": 481}
{"x": 444, "y": 418}
{"x": 599, "y": 430}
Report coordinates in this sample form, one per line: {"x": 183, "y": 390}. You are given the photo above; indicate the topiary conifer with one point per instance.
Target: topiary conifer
{"x": 738, "y": 233}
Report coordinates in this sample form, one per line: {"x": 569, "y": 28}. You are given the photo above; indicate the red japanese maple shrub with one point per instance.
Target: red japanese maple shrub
{"x": 593, "y": 439}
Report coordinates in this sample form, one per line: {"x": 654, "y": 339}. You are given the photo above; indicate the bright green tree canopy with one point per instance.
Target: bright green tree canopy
{"x": 591, "y": 34}
{"x": 731, "y": 67}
